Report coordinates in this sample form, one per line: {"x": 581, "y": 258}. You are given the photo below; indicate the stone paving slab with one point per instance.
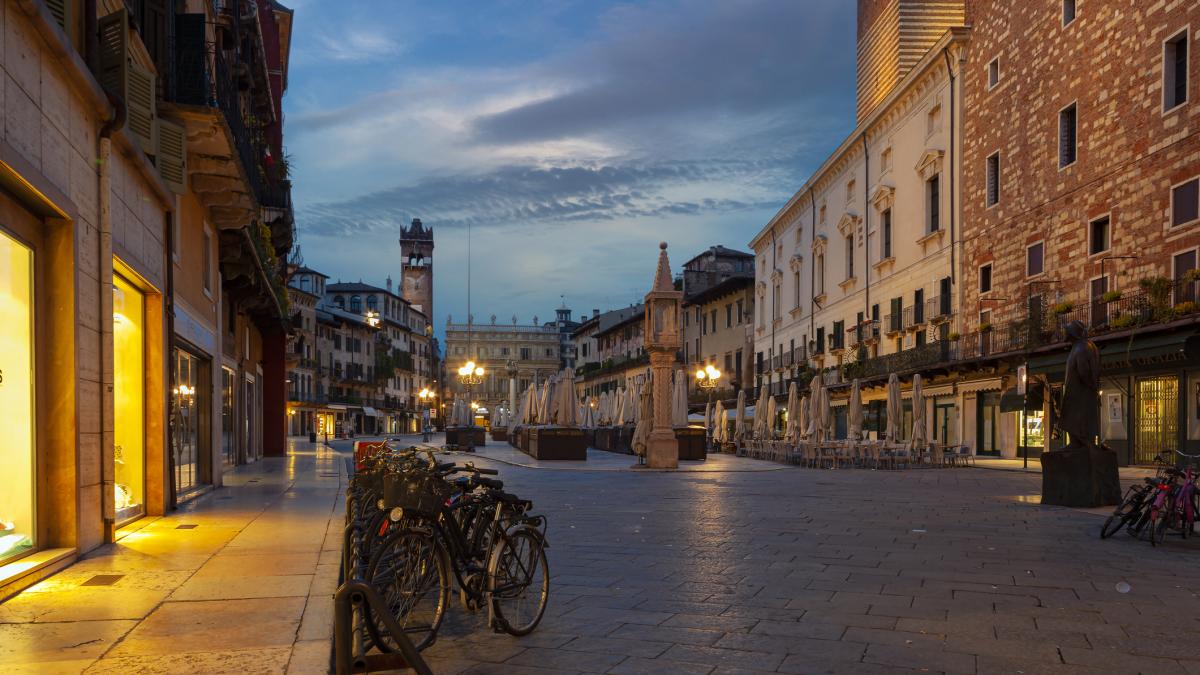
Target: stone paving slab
{"x": 834, "y": 571}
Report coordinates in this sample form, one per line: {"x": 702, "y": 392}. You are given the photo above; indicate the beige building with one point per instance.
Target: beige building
{"x": 718, "y": 303}
{"x": 620, "y": 358}
{"x": 126, "y": 286}
{"x": 533, "y": 350}
{"x": 858, "y": 264}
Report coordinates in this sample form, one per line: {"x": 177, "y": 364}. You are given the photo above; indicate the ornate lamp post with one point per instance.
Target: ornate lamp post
{"x": 707, "y": 379}
{"x": 426, "y": 396}
{"x": 470, "y": 375}
{"x": 663, "y": 340}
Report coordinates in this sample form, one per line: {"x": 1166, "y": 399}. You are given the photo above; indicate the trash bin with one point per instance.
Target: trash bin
{"x": 312, "y": 437}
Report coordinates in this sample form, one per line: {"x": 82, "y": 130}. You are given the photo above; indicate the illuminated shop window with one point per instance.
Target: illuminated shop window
{"x": 129, "y": 397}
{"x": 16, "y": 399}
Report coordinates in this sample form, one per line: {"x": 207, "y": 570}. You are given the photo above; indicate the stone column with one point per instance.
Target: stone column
{"x": 662, "y": 450}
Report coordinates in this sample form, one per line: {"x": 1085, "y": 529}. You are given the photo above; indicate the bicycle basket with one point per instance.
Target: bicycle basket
{"x": 416, "y": 493}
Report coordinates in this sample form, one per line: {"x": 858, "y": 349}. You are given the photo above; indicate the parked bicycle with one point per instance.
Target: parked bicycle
{"x": 418, "y": 528}
{"x": 1168, "y": 501}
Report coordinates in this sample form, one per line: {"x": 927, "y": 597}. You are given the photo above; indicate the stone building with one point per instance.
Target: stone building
{"x": 620, "y": 358}
{"x": 854, "y": 275}
{"x": 717, "y": 331}
{"x": 534, "y": 350}
{"x": 1080, "y": 174}
{"x": 140, "y": 208}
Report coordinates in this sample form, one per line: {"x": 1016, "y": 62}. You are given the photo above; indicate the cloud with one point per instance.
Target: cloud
{"x": 682, "y": 120}
{"x": 358, "y": 45}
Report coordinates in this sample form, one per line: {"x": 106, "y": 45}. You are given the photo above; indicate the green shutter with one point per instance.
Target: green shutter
{"x": 171, "y": 155}
{"x": 131, "y": 82}
{"x": 114, "y": 35}
{"x": 140, "y": 97}
{"x": 58, "y": 9}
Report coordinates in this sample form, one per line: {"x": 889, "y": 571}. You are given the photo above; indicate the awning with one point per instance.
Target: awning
{"x": 335, "y": 406}
{"x": 1011, "y": 401}
{"x": 370, "y": 412}
{"x": 1148, "y": 351}
{"x": 1142, "y": 351}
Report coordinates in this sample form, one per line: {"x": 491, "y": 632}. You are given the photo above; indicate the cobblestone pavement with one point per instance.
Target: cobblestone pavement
{"x": 844, "y": 571}
{"x": 239, "y": 580}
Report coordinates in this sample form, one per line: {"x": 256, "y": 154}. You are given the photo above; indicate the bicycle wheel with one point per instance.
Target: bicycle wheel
{"x": 519, "y": 578}
{"x": 409, "y": 572}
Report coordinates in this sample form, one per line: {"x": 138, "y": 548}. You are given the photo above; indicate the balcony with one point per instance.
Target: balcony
{"x": 937, "y": 308}
{"x": 914, "y": 316}
{"x": 892, "y": 323}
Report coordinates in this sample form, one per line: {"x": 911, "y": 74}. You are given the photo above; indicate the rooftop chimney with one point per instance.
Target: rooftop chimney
{"x": 595, "y": 313}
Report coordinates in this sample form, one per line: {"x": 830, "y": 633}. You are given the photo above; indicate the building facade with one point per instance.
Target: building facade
{"x": 717, "y": 332}
{"x": 110, "y": 218}
{"x": 621, "y": 359}
{"x": 1081, "y": 166}
{"x": 533, "y": 351}
{"x": 854, "y": 275}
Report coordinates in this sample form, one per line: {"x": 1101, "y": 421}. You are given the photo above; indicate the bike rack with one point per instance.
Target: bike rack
{"x": 349, "y": 654}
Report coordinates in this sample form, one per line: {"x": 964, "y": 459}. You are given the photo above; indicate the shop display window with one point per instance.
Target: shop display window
{"x": 17, "y": 412}
{"x": 129, "y": 398}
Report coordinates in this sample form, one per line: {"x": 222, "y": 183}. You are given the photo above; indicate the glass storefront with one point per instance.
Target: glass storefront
{"x": 228, "y": 438}
{"x": 1156, "y": 419}
{"x": 129, "y": 399}
{"x": 1031, "y": 431}
{"x": 16, "y": 398}
{"x": 190, "y": 426}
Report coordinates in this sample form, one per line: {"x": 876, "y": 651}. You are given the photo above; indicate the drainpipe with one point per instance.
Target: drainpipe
{"x": 812, "y": 273}
{"x": 169, "y": 354}
{"x": 950, "y": 151}
{"x": 866, "y": 229}
{"x": 104, "y": 200}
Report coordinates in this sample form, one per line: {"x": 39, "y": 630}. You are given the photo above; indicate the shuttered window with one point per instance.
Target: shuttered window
{"x": 171, "y": 155}
{"x": 1175, "y": 71}
{"x": 1185, "y": 203}
{"x": 993, "y": 179}
{"x": 850, "y": 256}
{"x": 985, "y": 278}
{"x": 131, "y": 82}
{"x": 1068, "y": 123}
{"x": 1035, "y": 259}
{"x": 885, "y": 227}
{"x": 933, "y": 201}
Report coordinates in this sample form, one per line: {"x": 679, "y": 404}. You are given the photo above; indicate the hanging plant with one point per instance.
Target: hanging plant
{"x": 985, "y": 327}
{"x": 953, "y": 336}
{"x": 1110, "y": 296}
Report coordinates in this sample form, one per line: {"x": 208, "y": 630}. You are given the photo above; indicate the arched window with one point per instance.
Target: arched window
{"x": 340, "y": 302}
{"x": 356, "y": 304}
{"x": 372, "y": 303}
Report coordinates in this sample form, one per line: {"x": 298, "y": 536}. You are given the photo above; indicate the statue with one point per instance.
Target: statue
{"x": 1082, "y": 474}
{"x": 1080, "y": 416}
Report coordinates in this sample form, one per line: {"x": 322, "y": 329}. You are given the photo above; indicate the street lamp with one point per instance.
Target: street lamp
{"x": 426, "y": 396}
{"x": 470, "y": 375}
{"x": 707, "y": 379}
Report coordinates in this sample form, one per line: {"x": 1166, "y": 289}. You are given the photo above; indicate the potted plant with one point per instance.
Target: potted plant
{"x": 1062, "y": 308}
{"x": 953, "y": 336}
{"x": 1158, "y": 293}
{"x": 1110, "y": 296}
{"x": 1191, "y": 275}
{"x": 985, "y": 327}
{"x": 1185, "y": 307}
{"x": 1122, "y": 321}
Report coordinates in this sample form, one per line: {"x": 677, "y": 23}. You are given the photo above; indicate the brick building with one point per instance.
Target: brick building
{"x": 1080, "y": 170}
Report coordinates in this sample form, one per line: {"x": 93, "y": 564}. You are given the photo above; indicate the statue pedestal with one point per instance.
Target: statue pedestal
{"x": 662, "y": 450}
{"x": 1080, "y": 477}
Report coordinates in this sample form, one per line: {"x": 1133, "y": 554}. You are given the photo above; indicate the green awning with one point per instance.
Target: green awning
{"x": 1122, "y": 353}
{"x": 1146, "y": 351}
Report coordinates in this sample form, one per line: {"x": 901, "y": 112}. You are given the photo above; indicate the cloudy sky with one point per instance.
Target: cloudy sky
{"x": 571, "y": 135}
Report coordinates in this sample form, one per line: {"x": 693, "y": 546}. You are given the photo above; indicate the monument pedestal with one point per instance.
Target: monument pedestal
{"x": 1080, "y": 477}
{"x": 662, "y": 450}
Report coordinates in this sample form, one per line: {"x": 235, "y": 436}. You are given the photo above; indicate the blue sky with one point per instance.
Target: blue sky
{"x": 572, "y": 135}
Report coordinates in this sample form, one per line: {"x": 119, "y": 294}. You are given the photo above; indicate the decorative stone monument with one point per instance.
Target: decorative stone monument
{"x": 1084, "y": 473}
{"x": 663, "y": 340}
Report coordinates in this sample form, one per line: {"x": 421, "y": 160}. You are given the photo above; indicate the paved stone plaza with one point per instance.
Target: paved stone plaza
{"x": 730, "y": 566}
